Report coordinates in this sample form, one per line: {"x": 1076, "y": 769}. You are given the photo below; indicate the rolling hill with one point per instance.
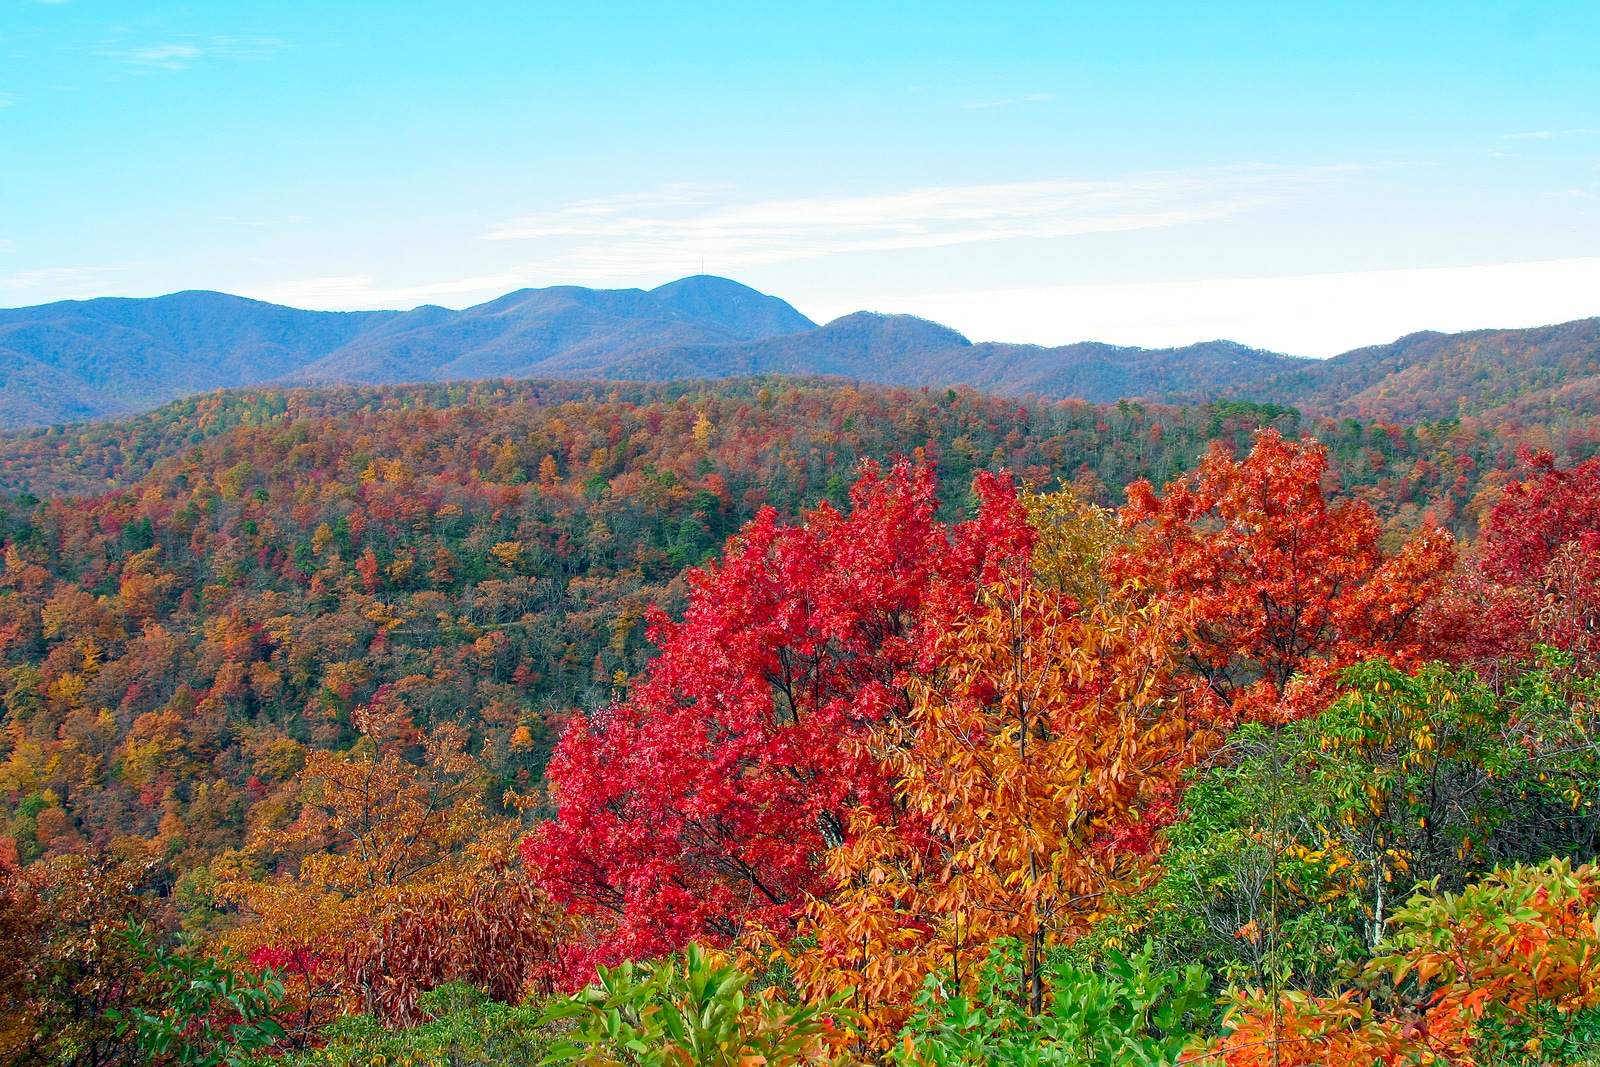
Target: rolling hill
{"x": 903, "y": 350}
{"x": 1434, "y": 375}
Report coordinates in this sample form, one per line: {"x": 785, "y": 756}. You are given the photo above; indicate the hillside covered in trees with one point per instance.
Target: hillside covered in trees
{"x": 951, "y": 727}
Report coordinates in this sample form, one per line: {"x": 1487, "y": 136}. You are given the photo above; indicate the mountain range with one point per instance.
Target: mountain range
{"x": 80, "y": 360}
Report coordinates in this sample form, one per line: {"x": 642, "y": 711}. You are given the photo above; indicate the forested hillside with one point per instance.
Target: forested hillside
{"x": 1534, "y": 374}
{"x": 873, "y": 687}
{"x": 274, "y": 559}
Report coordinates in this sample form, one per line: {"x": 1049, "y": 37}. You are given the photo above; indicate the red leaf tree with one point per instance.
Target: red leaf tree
{"x": 705, "y": 799}
{"x": 1536, "y": 517}
{"x": 1282, "y": 586}
{"x": 1535, "y": 574}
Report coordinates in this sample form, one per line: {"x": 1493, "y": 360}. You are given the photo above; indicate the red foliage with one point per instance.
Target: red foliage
{"x": 1535, "y": 517}
{"x": 705, "y": 800}
{"x": 1278, "y": 581}
{"x": 1534, "y": 575}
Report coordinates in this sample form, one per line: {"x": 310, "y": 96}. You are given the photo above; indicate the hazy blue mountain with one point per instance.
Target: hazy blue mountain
{"x": 737, "y": 308}
{"x": 1432, "y": 375}
{"x": 78, "y": 360}
{"x": 84, "y": 359}
{"x": 88, "y": 358}
{"x": 903, "y": 350}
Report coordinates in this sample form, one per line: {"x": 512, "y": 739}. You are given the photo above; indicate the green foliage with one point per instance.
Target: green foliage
{"x": 1125, "y": 1014}
{"x": 1557, "y": 711}
{"x": 1293, "y": 849}
{"x": 687, "y": 1012}
{"x": 1540, "y": 1036}
{"x": 1215, "y": 901}
{"x": 467, "y": 1029}
{"x": 206, "y": 1012}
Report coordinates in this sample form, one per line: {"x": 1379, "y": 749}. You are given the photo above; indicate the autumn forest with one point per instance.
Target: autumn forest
{"x": 796, "y": 721}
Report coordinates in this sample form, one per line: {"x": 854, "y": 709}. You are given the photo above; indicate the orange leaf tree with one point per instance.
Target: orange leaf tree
{"x": 704, "y": 801}
{"x": 1284, "y": 586}
{"x": 394, "y": 878}
{"x": 1030, "y": 772}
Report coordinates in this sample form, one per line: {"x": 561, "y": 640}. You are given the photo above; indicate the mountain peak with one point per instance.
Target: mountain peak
{"x": 743, "y": 311}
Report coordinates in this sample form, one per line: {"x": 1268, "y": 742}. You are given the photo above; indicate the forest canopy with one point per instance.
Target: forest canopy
{"x": 911, "y": 724}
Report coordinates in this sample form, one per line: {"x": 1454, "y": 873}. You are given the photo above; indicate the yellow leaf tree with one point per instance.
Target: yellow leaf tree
{"x": 1032, "y": 769}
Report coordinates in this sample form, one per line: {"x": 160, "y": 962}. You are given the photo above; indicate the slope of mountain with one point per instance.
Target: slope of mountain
{"x": 335, "y": 513}
{"x": 562, "y": 331}
{"x": 89, "y": 359}
{"x": 81, "y": 359}
{"x": 737, "y": 308}
{"x": 1435, "y": 375}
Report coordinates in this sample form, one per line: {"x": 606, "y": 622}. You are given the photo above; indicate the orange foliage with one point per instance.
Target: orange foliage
{"x": 1280, "y": 581}
{"x": 402, "y": 881}
{"x": 1519, "y": 940}
{"x": 1032, "y": 771}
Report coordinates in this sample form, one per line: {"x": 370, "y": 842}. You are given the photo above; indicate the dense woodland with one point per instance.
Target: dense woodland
{"x": 812, "y": 721}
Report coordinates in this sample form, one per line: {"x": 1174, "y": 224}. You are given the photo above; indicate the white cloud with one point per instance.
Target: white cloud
{"x": 243, "y": 47}
{"x": 641, "y": 233}
{"x": 163, "y": 56}
{"x": 55, "y": 283}
{"x": 1545, "y": 135}
{"x": 1310, "y": 315}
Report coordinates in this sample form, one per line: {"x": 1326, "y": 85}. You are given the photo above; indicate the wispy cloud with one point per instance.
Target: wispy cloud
{"x": 1544, "y": 135}
{"x": 166, "y": 56}
{"x": 1031, "y": 98}
{"x": 55, "y": 283}
{"x": 644, "y": 233}
{"x": 1308, "y": 315}
{"x": 184, "y": 52}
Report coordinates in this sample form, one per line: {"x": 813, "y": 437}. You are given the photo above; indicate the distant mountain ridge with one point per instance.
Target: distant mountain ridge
{"x": 82, "y": 360}
{"x": 79, "y": 360}
{"x": 89, "y": 359}
{"x": 903, "y": 350}
{"x": 92, "y": 358}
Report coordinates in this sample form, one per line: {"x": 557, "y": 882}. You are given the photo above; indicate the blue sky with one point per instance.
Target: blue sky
{"x": 1299, "y": 176}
